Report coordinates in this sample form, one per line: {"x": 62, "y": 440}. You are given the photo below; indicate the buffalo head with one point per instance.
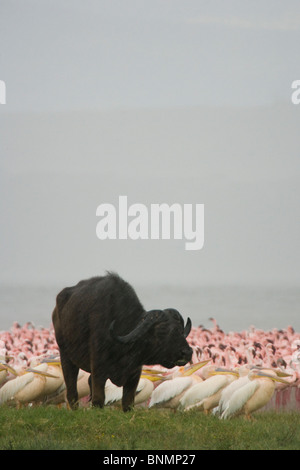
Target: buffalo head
{"x": 161, "y": 336}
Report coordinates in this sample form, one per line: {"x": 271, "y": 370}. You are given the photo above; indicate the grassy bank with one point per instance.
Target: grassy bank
{"x": 87, "y": 429}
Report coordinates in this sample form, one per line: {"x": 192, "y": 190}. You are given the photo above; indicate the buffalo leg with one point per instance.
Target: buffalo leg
{"x": 129, "y": 390}
{"x": 97, "y": 387}
{"x": 70, "y": 372}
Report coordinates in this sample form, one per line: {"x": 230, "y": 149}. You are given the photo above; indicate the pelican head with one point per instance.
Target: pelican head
{"x": 278, "y": 372}
{"x": 257, "y": 374}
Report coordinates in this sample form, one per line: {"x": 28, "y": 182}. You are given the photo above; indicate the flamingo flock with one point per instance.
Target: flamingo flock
{"x": 231, "y": 373}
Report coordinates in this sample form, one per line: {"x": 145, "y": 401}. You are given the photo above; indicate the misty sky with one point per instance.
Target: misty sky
{"x": 162, "y": 101}
{"x": 101, "y": 54}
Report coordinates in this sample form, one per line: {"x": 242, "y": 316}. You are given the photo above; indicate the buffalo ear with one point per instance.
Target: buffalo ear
{"x": 187, "y": 327}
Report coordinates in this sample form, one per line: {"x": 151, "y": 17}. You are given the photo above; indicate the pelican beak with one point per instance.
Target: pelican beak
{"x": 275, "y": 379}
{"x": 54, "y": 363}
{"x": 278, "y": 372}
{"x": 193, "y": 368}
{"x": 153, "y": 378}
{"x": 51, "y": 361}
{"x": 44, "y": 374}
{"x": 221, "y": 371}
{"x": 8, "y": 368}
{"x": 282, "y": 374}
{"x": 151, "y": 371}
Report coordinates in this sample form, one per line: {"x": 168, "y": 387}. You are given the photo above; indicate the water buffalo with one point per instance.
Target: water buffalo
{"x": 102, "y": 328}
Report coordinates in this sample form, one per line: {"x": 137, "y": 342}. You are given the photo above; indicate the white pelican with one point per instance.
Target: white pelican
{"x": 113, "y": 394}
{"x": 169, "y": 392}
{"x": 253, "y": 395}
{"x": 227, "y": 392}
{"x": 11, "y": 388}
{"x": 26, "y": 387}
{"x": 206, "y": 395}
{"x": 54, "y": 379}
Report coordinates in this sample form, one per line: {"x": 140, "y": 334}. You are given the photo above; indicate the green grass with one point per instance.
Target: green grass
{"x": 49, "y": 428}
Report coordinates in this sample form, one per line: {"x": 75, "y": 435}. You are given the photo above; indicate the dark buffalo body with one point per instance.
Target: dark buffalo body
{"x": 102, "y": 328}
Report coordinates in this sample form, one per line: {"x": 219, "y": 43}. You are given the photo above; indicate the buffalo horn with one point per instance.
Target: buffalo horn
{"x": 187, "y": 327}
{"x": 143, "y": 327}
{"x": 138, "y": 331}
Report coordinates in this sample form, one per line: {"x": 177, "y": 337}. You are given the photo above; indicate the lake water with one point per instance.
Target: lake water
{"x": 234, "y": 307}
